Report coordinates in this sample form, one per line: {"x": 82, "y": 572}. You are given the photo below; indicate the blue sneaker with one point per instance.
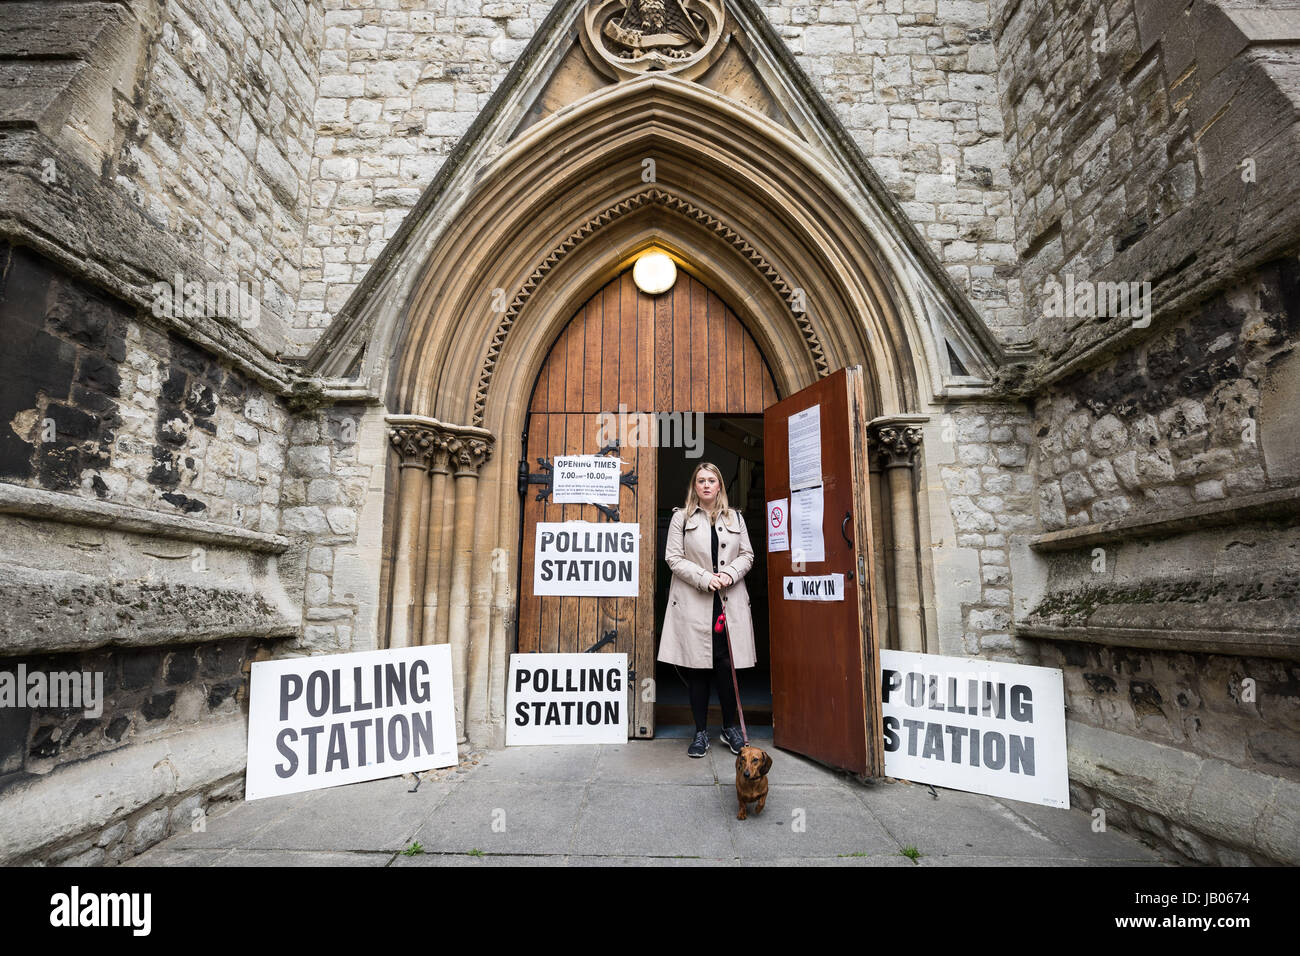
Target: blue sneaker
{"x": 733, "y": 738}
{"x": 700, "y": 745}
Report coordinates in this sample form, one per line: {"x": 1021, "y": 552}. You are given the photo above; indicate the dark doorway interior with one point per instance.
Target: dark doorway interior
{"x": 735, "y": 444}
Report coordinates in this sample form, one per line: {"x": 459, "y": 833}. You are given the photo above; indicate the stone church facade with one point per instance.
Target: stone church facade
{"x": 278, "y": 280}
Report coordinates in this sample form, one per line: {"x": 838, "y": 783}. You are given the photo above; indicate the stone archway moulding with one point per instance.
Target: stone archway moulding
{"x": 867, "y": 300}
{"x": 653, "y": 195}
{"x": 570, "y": 177}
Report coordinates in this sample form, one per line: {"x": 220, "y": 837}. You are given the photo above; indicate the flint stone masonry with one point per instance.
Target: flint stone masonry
{"x": 98, "y": 404}
{"x": 147, "y": 693}
{"x": 1176, "y": 420}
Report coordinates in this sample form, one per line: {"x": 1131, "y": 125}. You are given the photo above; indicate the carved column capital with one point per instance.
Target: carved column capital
{"x": 415, "y": 444}
{"x": 439, "y": 447}
{"x": 469, "y": 452}
{"x": 894, "y": 441}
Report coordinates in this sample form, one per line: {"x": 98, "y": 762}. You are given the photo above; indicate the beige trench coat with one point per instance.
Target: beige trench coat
{"x": 687, "y": 638}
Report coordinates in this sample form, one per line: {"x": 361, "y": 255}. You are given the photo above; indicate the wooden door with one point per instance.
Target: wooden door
{"x": 825, "y": 655}
{"x": 683, "y": 351}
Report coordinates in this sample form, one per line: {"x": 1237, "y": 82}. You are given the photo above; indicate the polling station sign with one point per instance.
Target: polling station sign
{"x": 566, "y": 699}
{"x": 587, "y": 558}
{"x": 317, "y": 722}
{"x": 983, "y": 726}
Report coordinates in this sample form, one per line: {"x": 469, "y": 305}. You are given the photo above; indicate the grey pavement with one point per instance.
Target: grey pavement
{"x": 643, "y": 803}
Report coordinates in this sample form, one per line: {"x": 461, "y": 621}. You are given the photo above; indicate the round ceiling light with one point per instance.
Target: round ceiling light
{"x": 654, "y": 272}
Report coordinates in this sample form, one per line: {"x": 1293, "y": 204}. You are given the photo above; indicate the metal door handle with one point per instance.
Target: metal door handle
{"x": 847, "y": 539}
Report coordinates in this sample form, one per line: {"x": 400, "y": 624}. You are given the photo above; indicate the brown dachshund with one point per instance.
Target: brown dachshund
{"x": 752, "y": 766}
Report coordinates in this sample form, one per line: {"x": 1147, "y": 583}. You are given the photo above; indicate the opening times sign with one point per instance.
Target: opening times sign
{"x": 982, "y": 726}
{"x": 579, "y": 479}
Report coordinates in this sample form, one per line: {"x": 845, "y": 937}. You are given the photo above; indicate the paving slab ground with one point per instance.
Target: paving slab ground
{"x": 637, "y": 804}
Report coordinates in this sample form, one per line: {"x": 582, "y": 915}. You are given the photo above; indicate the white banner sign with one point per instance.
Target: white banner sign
{"x": 983, "y": 726}
{"x": 579, "y": 479}
{"x": 316, "y": 722}
{"x": 566, "y": 699}
{"x": 589, "y": 558}
{"x": 778, "y": 525}
{"x": 821, "y": 587}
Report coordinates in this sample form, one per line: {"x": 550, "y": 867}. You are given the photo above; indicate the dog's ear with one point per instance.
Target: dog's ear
{"x": 740, "y": 763}
{"x": 767, "y": 764}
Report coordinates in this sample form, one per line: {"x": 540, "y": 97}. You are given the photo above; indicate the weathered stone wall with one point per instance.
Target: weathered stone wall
{"x": 980, "y": 493}
{"x": 1238, "y": 712}
{"x": 398, "y": 87}
{"x": 335, "y": 477}
{"x": 1149, "y": 141}
{"x": 915, "y": 83}
{"x": 1154, "y": 142}
{"x": 215, "y": 143}
{"x": 148, "y": 693}
{"x": 134, "y": 833}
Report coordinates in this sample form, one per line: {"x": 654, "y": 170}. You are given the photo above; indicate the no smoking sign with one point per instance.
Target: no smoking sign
{"x": 778, "y": 529}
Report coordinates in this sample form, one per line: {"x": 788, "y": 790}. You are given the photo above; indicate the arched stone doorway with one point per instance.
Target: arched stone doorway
{"x": 454, "y": 339}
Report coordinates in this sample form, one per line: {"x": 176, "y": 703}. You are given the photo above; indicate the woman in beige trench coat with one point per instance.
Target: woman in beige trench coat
{"x": 709, "y": 555}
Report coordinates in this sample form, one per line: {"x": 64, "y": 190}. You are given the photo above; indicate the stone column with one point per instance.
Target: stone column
{"x": 895, "y": 443}
{"x": 468, "y": 450}
{"x": 435, "y": 563}
{"x": 414, "y": 442}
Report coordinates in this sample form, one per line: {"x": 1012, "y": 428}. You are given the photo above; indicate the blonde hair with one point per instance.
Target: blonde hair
{"x": 722, "y": 509}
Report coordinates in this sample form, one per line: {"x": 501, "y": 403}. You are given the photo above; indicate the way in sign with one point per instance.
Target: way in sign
{"x": 826, "y": 587}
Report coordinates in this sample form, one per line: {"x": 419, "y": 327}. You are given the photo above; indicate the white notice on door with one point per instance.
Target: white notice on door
{"x": 823, "y": 587}
{"x": 778, "y": 525}
{"x": 579, "y": 479}
{"x": 806, "y": 448}
{"x": 806, "y": 541}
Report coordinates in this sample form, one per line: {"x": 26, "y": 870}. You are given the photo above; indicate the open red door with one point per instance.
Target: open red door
{"x": 825, "y": 654}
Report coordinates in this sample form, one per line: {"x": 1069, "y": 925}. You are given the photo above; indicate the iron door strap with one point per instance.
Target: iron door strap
{"x": 609, "y": 638}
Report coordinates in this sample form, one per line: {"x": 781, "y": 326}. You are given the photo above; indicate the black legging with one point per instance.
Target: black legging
{"x": 698, "y": 678}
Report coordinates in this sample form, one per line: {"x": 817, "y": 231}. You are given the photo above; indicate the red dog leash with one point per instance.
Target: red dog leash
{"x": 721, "y": 625}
